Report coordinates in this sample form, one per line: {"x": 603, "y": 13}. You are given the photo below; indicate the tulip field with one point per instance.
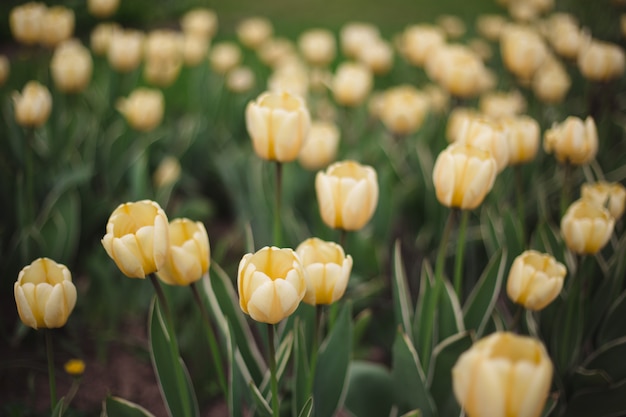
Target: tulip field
{"x": 334, "y": 208}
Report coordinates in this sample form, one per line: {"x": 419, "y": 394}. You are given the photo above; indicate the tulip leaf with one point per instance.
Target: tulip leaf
{"x": 262, "y": 407}
{"x": 59, "y": 408}
{"x": 450, "y": 318}
{"x": 401, "y": 297}
{"x": 445, "y": 356}
{"x": 609, "y": 357}
{"x": 482, "y": 299}
{"x": 224, "y": 305}
{"x": 119, "y": 407}
{"x": 331, "y": 372}
{"x": 301, "y": 369}
{"x": 370, "y": 391}
{"x": 307, "y": 408}
{"x": 567, "y": 333}
{"x": 413, "y": 413}
{"x": 605, "y": 402}
{"x": 425, "y": 312}
{"x": 165, "y": 361}
{"x": 584, "y": 379}
{"x": 409, "y": 381}
{"x": 282, "y": 358}
{"x": 239, "y": 377}
{"x": 613, "y": 326}
{"x": 59, "y": 232}
{"x": 502, "y": 229}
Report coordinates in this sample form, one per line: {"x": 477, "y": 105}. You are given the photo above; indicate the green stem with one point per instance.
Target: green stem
{"x": 317, "y": 337}
{"x": 277, "y": 220}
{"x": 565, "y": 191}
{"x": 51, "y": 378}
{"x": 213, "y": 345}
{"x": 272, "y": 363}
{"x": 519, "y": 197}
{"x": 169, "y": 322}
{"x": 342, "y": 238}
{"x": 460, "y": 251}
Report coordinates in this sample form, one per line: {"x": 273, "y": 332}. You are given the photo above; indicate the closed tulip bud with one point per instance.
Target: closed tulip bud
{"x": 351, "y": 84}
{"x": 137, "y": 238}
{"x": 404, "y": 109}
{"x": 275, "y": 52}
{"x": 551, "y": 82}
{"x": 200, "y": 22}
{"x": 167, "y": 173}
{"x": 377, "y": 56}
{"x": 278, "y": 124}
{"x": 453, "y": 26}
{"x": 611, "y": 195}
{"x": 271, "y": 284}
{"x": 57, "y": 25}
{"x": 438, "y": 98}
{"x": 490, "y": 26}
{"x": 487, "y": 135}
{"x": 523, "y": 136}
{"x": 480, "y": 47}
{"x": 601, "y": 61}
{"x": 420, "y": 41}
{"x": 101, "y": 36}
{"x": 195, "y": 50}
{"x": 327, "y": 270}
{"x": 564, "y": 35}
{"x": 240, "y": 79}
{"x": 296, "y": 83}
{"x": 459, "y": 70}
{"x": 523, "y": 50}
{"x": 143, "y": 109}
{"x": 189, "y": 254}
{"x": 102, "y": 8}
{"x": 586, "y": 227}
{"x": 125, "y": 49}
{"x": 163, "y": 45}
{"x": 573, "y": 141}
{"x": 25, "y": 22}
{"x": 535, "y": 280}
{"x": 33, "y": 106}
{"x": 71, "y": 67}
{"x": 457, "y": 119}
{"x": 320, "y": 148}
{"x": 5, "y": 69}
{"x": 355, "y": 35}
{"x": 498, "y": 104}
{"x": 253, "y": 31}
{"x": 161, "y": 73}
{"x": 318, "y": 46}
{"x": 347, "y": 194}
{"x": 463, "y": 175}
{"x": 44, "y": 294}
{"x": 224, "y": 56}
{"x": 501, "y": 375}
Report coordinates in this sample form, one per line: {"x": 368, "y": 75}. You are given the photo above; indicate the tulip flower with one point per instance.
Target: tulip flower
{"x": 404, "y": 109}
{"x": 503, "y": 375}
{"x": 347, "y": 194}
{"x": 498, "y": 104}
{"x": 327, "y": 270}
{"x": 586, "y": 227}
{"x": 278, "y": 124}
{"x": 523, "y": 50}
{"x": 33, "y": 106}
{"x": 57, "y": 25}
{"x": 102, "y": 8}
{"x": 125, "y": 49}
{"x": 487, "y": 135}
{"x": 601, "y": 61}
{"x": 137, "y": 238}
{"x": 351, "y": 83}
{"x": 253, "y": 31}
{"x": 189, "y": 255}
{"x": 71, "y": 67}
{"x": 420, "y": 41}
{"x": 609, "y": 195}
{"x": 535, "y": 280}
{"x": 523, "y": 136}
{"x": 200, "y": 22}
{"x": 25, "y": 22}
{"x": 240, "y": 79}
{"x": 101, "y": 36}
{"x": 44, "y": 294}
{"x": 573, "y": 141}
{"x": 551, "y": 82}
{"x": 271, "y": 284}
{"x": 320, "y": 148}
{"x": 377, "y": 56}
{"x": 354, "y": 35}
{"x": 143, "y": 109}
{"x": 318, "y": 46}
{"x": 463, "y": 175}
{"x": 224, "y": 56}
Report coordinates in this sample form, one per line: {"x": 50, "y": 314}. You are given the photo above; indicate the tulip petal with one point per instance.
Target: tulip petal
{"x": 55, "y": 309}
{"x": 127, "y": 256}
{"x": 23, "y": 306}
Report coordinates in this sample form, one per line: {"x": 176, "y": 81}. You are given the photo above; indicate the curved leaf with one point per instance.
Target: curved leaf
{"x": 370, "y": 391}
{"x": 401, "y": 297}
{"x": 119, "y": 407}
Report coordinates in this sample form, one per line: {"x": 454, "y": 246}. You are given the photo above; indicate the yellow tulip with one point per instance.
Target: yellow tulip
{"x": 33, "y": 106}
{"x": 586, "y": 227}
{"x": 327, "y": 270}
{"x": 523, "y": 136}
{"x": 189, "y": 255}
{"x": 143, "y": 109}
{"x": 347, "y": 194}
{"x": 137, "y": 238}
{"x": 253, "y": 31}
{"x": 57, "y": 25}
{"x": 224, "y": 56}
{"x": 320, "y": 148}
{"x": 318, "y": 46}
{"x": 25, "y": 22}
{"x": 271, "y": 284}
{"x": 574, "y": 140}
{"x": 200, "y": 22}
{"x": 488, "y": 135}
{"x": 351, "y": 83}
{"x": 71, "y": 67}
{"x": 102, "y": 8}
{"x": 404, "y": 109}
{"x": 503, "y": 375}
{"x": 610, "y": 195}
{"x": 535, "y": 280}
{"x": 125, "y": 49}
{"x": 44, "y": 294}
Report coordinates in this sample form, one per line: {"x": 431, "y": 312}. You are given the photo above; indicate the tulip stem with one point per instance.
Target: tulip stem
{"x": 317, "y": 337}
{"x": 519, "y": 197}
{"x": 277, "y": 220}
{"x": 272, "y": 363}
{"x": 169, "y": 323}
{"x": 565, "y": 191}
{"x": 460, "y": 251}
{"x": 342, "y": 238}
{"x": 51, "y": 378}
{"x": 213, "y": 345}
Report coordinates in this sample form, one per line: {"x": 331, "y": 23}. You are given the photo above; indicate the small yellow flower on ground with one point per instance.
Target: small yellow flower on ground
{"x": 74, "y": 367}
{"x": 189, "y": 255}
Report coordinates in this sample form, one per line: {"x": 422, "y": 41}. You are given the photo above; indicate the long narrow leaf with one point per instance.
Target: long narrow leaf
{"x": 119, "y": 407}
{"x": 401, "y": 297}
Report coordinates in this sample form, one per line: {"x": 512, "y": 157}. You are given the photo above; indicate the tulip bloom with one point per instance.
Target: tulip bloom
{"x": 318, "y": 46}
{"x": 404, "y": 109}
{"x": 487, "y": 135}
{"x": 503, "y": 375}
{"x": 71, "y": 67}
{"x": 143, "y": 109}
{"x": 253, "y": 31}
{"x": 57, "y": 25}
{"x": 189, "y": 255}
{"x": 463, "y": 175}
{"x": 535, "y": 280}
{"x": 271, "y": 284}
{"x": 523, "y": 50}
{"x": 44, "y": 294}
{"x": 102, "y": 8}
{"x": 224, "y": 56}
{"x": 523, "y": 136}
{"x": 320, "y": 148}
{"x": 586, "y": 227}
{"x": 278, "y": 124}
{"x": 347, "y": 194}
{"x": 137, "y": 238}
{"x": 327, "y": 270}
{"x": 25, "y": 22}
{"x": 609, "y": 195}
{"x": 33, "y": 106}
{"x": 601, "y": 61}
{"x": 125, "y": 49}
{"x": 352, "y": 83}
{"x": 573, "y": 141}
{"x": 200, "y": 22}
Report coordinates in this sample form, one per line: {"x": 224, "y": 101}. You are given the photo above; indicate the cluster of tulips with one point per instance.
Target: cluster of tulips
{"x": 295, "y": 118}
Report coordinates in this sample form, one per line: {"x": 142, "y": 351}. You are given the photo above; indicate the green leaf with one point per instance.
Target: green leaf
{"x": 119, "y": 407}
{"x": 445, "y": 356}
{"x": 450, "y": 316}
{"x": 262, "y": 407}
{"x": 361, "y": 323}
{"x": 606, "y": 402}
{"x": 584, "y": 379}
{"x": 613, "y": 326}
{"x": 239, "y": 377}
{"x": 165, "y": 362}
{"x": 370, "y": 391}
{"x": 610, "y": 359}
{"x": 567, "y": 334}
{"x": 331, "y": 372}
{"x": 502, "y": 230}
{"x": 409, "y": 382}
{"x": 307, "y": 408}
{"x": 425, "y": 315}
{"x": 401, "y": 297}
{"x": 301, "y": 369}
{"x": 482, "y": 299}
{"x": 412, "y": 413}
{"x": 58, "y": 410}
{"x": 282, "y": 358}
